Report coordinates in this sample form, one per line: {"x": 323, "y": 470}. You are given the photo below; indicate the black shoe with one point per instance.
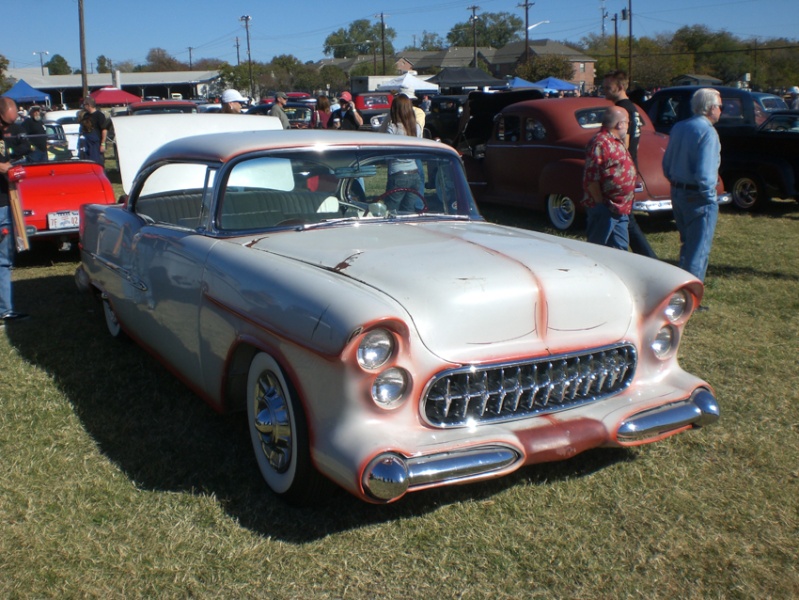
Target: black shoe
{"x": 702, "y": 308}
{"x": 12, "y": 316}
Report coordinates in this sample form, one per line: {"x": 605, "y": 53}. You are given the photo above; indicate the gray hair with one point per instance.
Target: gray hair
{"x": 703, "y": 100}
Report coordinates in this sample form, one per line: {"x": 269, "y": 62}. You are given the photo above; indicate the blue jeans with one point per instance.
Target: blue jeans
{"x": 7, "y": 247}
{"x": 403, "y": 202}
{"x": 696, "y": 219}
{"x": 606, "y": 229}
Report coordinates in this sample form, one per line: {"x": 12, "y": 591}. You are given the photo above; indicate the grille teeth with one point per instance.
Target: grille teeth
{"x": 514, "y": 391}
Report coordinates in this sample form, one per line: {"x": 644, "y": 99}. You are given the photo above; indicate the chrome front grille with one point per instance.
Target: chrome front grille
{"x": 491, "y": 393}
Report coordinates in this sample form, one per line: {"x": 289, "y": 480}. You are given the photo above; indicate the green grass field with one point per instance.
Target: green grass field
{"x": 117, "y": 482}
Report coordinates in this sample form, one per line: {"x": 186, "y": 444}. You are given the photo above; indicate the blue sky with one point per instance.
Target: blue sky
{"x": 127, "y": 30}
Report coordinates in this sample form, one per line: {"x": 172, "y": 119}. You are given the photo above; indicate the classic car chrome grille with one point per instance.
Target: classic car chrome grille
{"x": 512, "y": 391}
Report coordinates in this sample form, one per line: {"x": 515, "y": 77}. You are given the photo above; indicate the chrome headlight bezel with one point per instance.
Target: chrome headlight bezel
{"x": 664, "y": 343}
{"x": 678, "y": 306}
{"x": 389, "y": 387}
{"x": 375, "y": 349}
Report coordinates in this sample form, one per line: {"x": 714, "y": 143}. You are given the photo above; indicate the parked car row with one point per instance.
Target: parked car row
{"x": 532, "y": 154}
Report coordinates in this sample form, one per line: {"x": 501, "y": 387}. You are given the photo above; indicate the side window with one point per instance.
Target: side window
{"x": 508, "y": 129}
{"x": 175, "y": 194}
{"x": 732, "y": 109}
{"x": 534, "y": 130}
{"x": 668, "y": 111}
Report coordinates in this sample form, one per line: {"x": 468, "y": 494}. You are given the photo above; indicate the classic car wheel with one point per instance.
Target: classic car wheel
{"x": 561, "y": 211}
{"x": 279, "y": 432}
{"x": 747, "y": 191}
{"x": 111, "y": 320}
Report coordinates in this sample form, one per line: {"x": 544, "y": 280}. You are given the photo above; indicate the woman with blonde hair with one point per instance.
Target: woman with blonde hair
{"x": 403, "y": 174}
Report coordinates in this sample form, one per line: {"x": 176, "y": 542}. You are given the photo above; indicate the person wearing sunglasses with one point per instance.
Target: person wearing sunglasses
{"x": 8, "y": 115}
{"x": 691, "y": 164}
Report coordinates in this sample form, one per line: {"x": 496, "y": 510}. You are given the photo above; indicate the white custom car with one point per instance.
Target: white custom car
{"x": 343, "y": 290}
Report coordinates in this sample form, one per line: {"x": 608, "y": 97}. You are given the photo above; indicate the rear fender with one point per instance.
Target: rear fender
{"x": 563, "y": 177}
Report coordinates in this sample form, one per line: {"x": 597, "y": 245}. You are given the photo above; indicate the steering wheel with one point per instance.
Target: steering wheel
{"x": 404, "y": 189}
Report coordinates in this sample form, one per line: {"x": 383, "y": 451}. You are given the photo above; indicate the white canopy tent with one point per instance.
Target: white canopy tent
{"x": 407, "y": 81}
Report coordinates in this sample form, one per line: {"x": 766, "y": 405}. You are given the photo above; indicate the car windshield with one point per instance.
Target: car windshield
{"x": 290, "y": 188}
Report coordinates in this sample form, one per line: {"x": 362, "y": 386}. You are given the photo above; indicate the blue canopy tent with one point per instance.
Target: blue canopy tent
{"x": 22, "y": 93}
{"x": 517, "y": 83}
{"x": 553, "y": 84}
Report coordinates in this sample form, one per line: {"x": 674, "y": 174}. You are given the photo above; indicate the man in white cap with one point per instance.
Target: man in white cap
{"x": 794, "y": 101}
{"x": 232, "y": 101}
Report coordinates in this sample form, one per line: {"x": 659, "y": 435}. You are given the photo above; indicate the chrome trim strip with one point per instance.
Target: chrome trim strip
{"x": 389, "y": 476}
{"x": 460, "y": 464}
{"x": 699, "y": 410}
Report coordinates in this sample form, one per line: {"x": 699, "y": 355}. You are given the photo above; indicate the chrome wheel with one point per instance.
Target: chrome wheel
{"x": 746, "y": 192}
{"x": 111, "y": 320}
{"x": 272, "y": 423}
{"x": 561, "y": 211}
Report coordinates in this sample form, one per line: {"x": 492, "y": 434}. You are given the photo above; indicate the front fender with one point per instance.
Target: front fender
{"x": 775, "y": 172}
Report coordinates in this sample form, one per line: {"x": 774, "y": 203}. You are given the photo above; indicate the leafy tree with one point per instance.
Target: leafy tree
{"x": 104, "y": 64}
{"x": 431, "y": 42}
{"x": 208, "y": 64}
{"x": 58, "y": 65}
{"x": 491, "y": 29}
{"x": 359, "y": 38}
{"x": 125, "y": 66}
{"x": 333, "y": 78}
{"x": 159, "y": 60}
{"x": 548, "y": 65}
{"x": 4, "y": 85}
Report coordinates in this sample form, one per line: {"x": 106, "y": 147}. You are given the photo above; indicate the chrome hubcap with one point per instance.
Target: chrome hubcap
{"x": 273, "y": 422}
{"x": 561, "y": 211}
{"x": 745, "y": 193}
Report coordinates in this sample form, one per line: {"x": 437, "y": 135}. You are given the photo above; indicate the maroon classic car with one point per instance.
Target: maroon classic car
{"x": 535, "y": 153}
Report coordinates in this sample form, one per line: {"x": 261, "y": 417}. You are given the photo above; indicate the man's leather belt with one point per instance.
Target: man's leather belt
{"x": 685, "y": 186}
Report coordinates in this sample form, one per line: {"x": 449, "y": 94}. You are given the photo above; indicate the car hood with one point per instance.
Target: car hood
{"x": 467, "y": 287}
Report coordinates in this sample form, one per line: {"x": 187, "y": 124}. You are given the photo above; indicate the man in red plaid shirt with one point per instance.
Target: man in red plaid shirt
{"x": 609, "y": 182}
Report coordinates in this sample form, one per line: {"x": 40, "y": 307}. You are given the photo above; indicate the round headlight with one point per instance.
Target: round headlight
{"x": 375, "y": 349}
{"x": 663, "y": 343}
{"x": 678, "y": 303}
{"x": 389, "y": 387}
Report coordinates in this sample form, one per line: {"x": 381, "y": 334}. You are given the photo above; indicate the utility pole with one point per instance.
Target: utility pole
{"x": 627, "y": 15}
{"x": 190, "y": 65}
{"x": 247, "y": 19}
{"x": 84, "y": 77}
{"x": 238, "y": 55}
{"x": 604, "y": 16}
{"x": 526, "y": 6}
{"x": 383, "y": 37}
{"x": 41, "y": 54}
{"x": 616, "y": 37}
{"x": 473, "y": 19}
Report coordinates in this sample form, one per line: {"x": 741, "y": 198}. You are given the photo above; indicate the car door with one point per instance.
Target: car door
{"x": 169, "y": 252}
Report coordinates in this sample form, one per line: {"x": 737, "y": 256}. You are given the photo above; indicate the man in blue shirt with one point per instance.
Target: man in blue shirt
{"x": 691, "y": 164}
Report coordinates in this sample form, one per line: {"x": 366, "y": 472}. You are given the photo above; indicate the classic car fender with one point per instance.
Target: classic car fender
{"x": 776, "y": 172}
{"x": 563, "y": 177}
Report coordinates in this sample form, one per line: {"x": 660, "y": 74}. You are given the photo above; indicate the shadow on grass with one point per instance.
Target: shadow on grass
{"x": 164, "y": 438}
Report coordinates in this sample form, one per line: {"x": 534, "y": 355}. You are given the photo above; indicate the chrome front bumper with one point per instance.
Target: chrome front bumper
{"x": 655, "y": 206}
{"x": 699, "y": 410}
{"x": 389, "y": 476}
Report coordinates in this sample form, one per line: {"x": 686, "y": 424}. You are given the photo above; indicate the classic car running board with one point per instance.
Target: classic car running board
{"x": 389, "y": 475}
{"x": 699, "y": 410}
